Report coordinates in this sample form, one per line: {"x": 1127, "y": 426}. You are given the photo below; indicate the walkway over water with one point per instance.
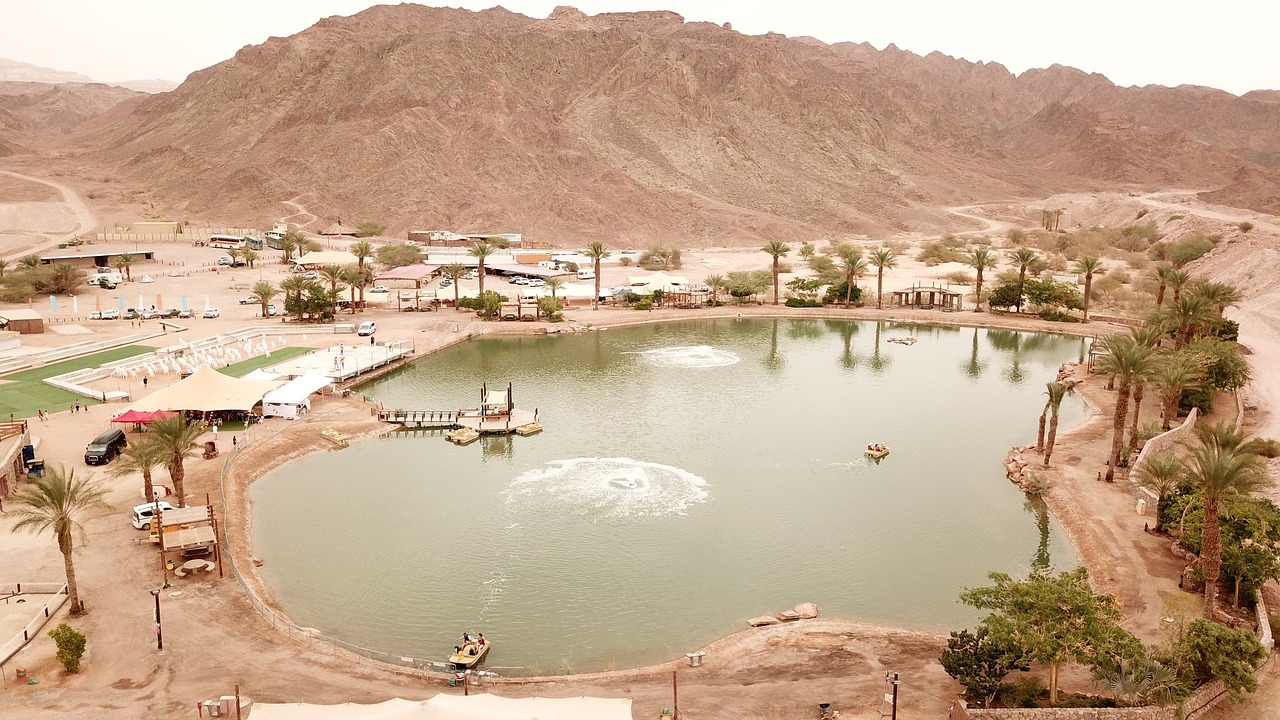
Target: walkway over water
{"x": 343, "y": 362}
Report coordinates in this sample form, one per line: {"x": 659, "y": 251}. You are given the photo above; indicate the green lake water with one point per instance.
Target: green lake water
{"x": 691, "y": 475}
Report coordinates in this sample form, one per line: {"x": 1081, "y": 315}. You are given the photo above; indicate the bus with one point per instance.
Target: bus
{"x": 227, "y": 242}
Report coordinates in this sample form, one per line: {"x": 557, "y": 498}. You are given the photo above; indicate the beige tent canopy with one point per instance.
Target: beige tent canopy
{"x": 455, "y": 707}
{"x": 207, "y": 390}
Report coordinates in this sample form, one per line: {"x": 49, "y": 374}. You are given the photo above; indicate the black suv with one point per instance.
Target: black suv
{"x": 105, "y": 447}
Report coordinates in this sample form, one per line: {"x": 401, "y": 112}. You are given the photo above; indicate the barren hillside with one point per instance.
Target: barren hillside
{"x": 642, "y": 128}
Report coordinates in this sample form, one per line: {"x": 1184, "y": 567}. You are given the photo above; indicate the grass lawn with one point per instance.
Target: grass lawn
{"x": 23, "y": 393}
{"x": 245, "y": 367}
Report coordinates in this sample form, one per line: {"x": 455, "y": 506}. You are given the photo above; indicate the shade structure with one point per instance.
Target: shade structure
{"x": 207, "y": 390}
{"x": 294, "y": 396}
{"x": 143, "y": 417}
{"x": 455, "y": 707}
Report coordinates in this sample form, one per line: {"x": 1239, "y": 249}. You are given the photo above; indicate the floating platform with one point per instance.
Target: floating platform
{"x": 532, "y": 428}
{"x": 462, "y": 436}
{"x": 335, "y": 437}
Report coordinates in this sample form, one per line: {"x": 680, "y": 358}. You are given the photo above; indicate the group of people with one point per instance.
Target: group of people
{"x": 470, "y": 646}
{"x": 877, "y": 447}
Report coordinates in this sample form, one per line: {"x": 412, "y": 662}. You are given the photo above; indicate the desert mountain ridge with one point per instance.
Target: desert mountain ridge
{"x": 14, "y": 71}
{"x": 644, "y": 128}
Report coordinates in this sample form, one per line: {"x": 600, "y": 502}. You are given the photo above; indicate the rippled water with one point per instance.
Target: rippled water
{"x": 691, "y": 475}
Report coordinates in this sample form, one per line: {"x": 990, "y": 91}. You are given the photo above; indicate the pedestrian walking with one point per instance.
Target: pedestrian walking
{"x": 234, "y": 442}
{"x": 215, "y": 433}
{"x": 77, "y": 406}
{"x": 144, "y": 383}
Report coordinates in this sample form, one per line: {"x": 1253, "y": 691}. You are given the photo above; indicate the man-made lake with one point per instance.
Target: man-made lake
{"x": 692, "y": 475}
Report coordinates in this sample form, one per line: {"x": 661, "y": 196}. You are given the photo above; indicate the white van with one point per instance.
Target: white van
{"x": 587, "y": 274}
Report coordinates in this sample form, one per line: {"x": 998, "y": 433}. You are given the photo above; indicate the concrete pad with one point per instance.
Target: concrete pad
{"x": 67, "y": 329}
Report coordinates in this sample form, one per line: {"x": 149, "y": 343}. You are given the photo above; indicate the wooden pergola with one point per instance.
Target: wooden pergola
{"x": 928, "y": 298}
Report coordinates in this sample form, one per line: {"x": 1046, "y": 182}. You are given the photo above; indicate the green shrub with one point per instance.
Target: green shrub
{"x": 644, "y": 304}
{"x": 1266, "y": 447}
{"x": 1176, "y": 217}
{"x": 1021, "y": 693}
{"x": 1184, "y": 250}
{"x": 624, "y": 261}
{"x": 803, "y": 302}
{"x": 946, "y": 249}
{"x": 1141, "y": 214}
{"x": 960, "y": 277}
{"x": 70, "y": 646}
{"x": 370, "y": 228}
{"x": 1245, "y": 226}
{"x": 1056, "y": 315}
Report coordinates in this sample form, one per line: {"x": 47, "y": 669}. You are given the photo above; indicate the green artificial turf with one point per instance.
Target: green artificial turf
{"x": 23, "y": 393}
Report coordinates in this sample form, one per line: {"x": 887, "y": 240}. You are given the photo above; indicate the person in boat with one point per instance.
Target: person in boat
{"x": 480, "y": 640}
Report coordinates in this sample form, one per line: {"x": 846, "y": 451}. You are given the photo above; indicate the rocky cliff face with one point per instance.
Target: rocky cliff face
{"x": 640, "y": 127}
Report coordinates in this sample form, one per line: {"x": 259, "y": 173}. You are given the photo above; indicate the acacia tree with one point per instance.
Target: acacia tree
{"x": 882, "y": 258}
{"x": 1219, "y": 468}
{"x": 1057, "y": 392}
{"x": 56, "y": 502}
{"x": 179, "y": 440}
{"x": 1054, "y": 619}
{"x": 776, "y": 249}
{"x": 597, "y": 252}
{"x": 1089, "y": 266}
{"x": 979, "y": 259}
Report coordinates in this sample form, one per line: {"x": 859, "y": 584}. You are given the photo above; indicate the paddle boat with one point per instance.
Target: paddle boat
{"x": 877, "y": 451}
{"x": 469, "y": 654}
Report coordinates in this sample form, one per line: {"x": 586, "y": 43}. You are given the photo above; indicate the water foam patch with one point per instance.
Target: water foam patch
{"x": 689, "y": 356}
{"x": 610, "y": 487}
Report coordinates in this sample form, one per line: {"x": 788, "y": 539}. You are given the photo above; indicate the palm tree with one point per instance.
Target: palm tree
{"x": 1159, "y": 275}
{"x": 124, "y": 263}
{"x": 1089, "y": 266}
{"x": 853, "y": 264}
{"x": 1219, "y": 471}
{"x": 250, "y": 256}
{"x": 1189, "y": 315}
{"x": 30, "y": 262}
{"x": 882, "y": 258}
{"x": 1162, "y": 473}
{"x": 363, "y": 250}
{"x": 980, "y": 259}
{"x": 179, "y": 439}
{"x": 1219, "y": 295}
{"x": 1023, "y": 258}
{"x": 4, "y": 265}
{"x": 1174, "y": 376}
{"x": 777, "y": 249}
{"x": 291, "y": 242}
{"x": 1148, "y": 337}
{"x": 454, "y": 271}
{"x": 333, "y": 274}
{"x": 554, "y": 283}
{"x": 235, "y": 254}
{"x": 264, "y": 292}
{"x": 715, "y": 282}
{"x": 55, "y": 502}
{"x": 597, "y": 252}
{"x": 141, "y": 457}
{"x": 480, "y": 251}
{"x": 351, "y": 275}
{"x": 294, "y": 287}
{"x": 1178, "y": 279}
{"x": 1057, "y": 392}
{"x": 1129, "y": 363}
{"x": 1140, "y": 681}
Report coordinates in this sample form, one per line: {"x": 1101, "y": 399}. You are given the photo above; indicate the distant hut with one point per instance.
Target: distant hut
{"x": 339, "y": 229}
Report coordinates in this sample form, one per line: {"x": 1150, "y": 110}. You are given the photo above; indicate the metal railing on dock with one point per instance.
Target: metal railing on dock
{"x": 420, "y": 418}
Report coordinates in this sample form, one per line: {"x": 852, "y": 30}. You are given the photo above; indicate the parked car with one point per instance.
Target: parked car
{"x": 311, "y": 275}
{"x": 380, "y": 289}
{"x": 143, "y": 514}
{"x": 102, "y": 449}
{"x": 367, "y": 328}
{"x": 446, "y": 283}
{"x": 149, "y": 314}
{"x": 211, "y": 313}
{"x": 109, "y": 314}
{"x": 271, "y": 310}
{"x": 225, "y": 260}
{"x": 536, "y": 282}
{"x": 186, "y": 313}
{"x": 131, "y": 314}
{"x": 170, "y": 313}
{"x": 105, "y": 284}
{"x": 249, "y": 300}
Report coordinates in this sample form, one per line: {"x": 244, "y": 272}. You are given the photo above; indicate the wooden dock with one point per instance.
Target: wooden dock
{"x": 421, "y": 418}
{"x": 497, "y": 415}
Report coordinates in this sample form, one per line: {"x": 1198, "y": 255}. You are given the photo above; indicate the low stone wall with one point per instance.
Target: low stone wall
{"x": 1136, "y": 713}
{"x": 1165, "y": 440}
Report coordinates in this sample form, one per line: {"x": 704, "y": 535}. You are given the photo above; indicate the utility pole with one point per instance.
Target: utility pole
{"x": 159, "y": 632}
{"x": 892, "y": 679}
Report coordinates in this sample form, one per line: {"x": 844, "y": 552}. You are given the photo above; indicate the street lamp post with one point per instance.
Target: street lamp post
{"x": 159, "y": 631}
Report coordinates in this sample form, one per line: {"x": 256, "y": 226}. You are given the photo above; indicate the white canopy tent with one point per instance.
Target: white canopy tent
{"x": 455, "y": 707}
{"x": 261, "y": 374}
{"x": 207, "y": 390}
{"x": 294, "y": 397}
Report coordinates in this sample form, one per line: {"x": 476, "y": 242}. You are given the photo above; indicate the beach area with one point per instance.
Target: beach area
{"x": 216, "y": 636}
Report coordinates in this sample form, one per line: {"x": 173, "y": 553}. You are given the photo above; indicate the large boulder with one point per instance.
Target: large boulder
{"x": 763, "y": 620}
{"x": 788, "y": 616}
{"x": 806, "y": 610}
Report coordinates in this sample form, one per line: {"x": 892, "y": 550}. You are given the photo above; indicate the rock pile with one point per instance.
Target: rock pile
{"x": 803, "y": 611}
{"x": 1017, "y": 467}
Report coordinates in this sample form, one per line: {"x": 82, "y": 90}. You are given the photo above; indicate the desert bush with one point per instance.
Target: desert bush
{"x": 1266, "y": 447}
{"x": 1141, "y": 214}
{"x": 803, "y": 302}
{"x": 946, "y": 249}
{"x": 552, "y": 308}
{"x": 644, "y": 304}
{"x": 1173, "y": 218}
{"x": 1184, "y": 250}
{"x": 1056, "y": 315}
{"x": 70, "y": 646}
{"x": 1021, "y": 693}
{"x": 899, "y": 247}
{"x": 1245, "y": 226}
{"x": 624, "y": 261}
{"x": 1120, "y": 274}
{"x": 369, "y": 228}
{"x": 661, "y": 258}
{"x": 960, "y": 277}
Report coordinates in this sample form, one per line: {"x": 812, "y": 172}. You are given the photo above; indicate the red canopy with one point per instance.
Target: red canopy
{"x": 137, "y": 416}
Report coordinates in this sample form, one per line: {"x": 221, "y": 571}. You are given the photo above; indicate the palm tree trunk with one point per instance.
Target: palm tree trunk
{"x": 73, "y": 590}
{"x": 179, "y": 474}
{"x": 1088, "y": 285}
{"x": 481, "y": 276}
{"x": 775, "y": 279}
{"x": 147, "y": 489}
{"x": 595, "y": 301}
{"x": 1117, "y": 429}
{"x": 848, "y": 290}
{"x": 977, "y": 297}
{"x": 1169, "y": 409}
{"x": 1022, "y": 284}
{"x": 1138, "y": 392}
{"x": 1040, "y": 432}
{"x": 880, "y": 289}
{"x": 1053, "y": 436}
{"x": 1211, "y": 555}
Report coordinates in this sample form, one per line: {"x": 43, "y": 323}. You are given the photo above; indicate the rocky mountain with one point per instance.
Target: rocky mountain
{"x": 14, "y": 71}
{"x": 641, "y": 127}
{"x": 147, "y": 86}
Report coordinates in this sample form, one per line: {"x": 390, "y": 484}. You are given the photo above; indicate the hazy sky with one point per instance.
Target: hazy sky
{"x": 1226, "y": 44}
